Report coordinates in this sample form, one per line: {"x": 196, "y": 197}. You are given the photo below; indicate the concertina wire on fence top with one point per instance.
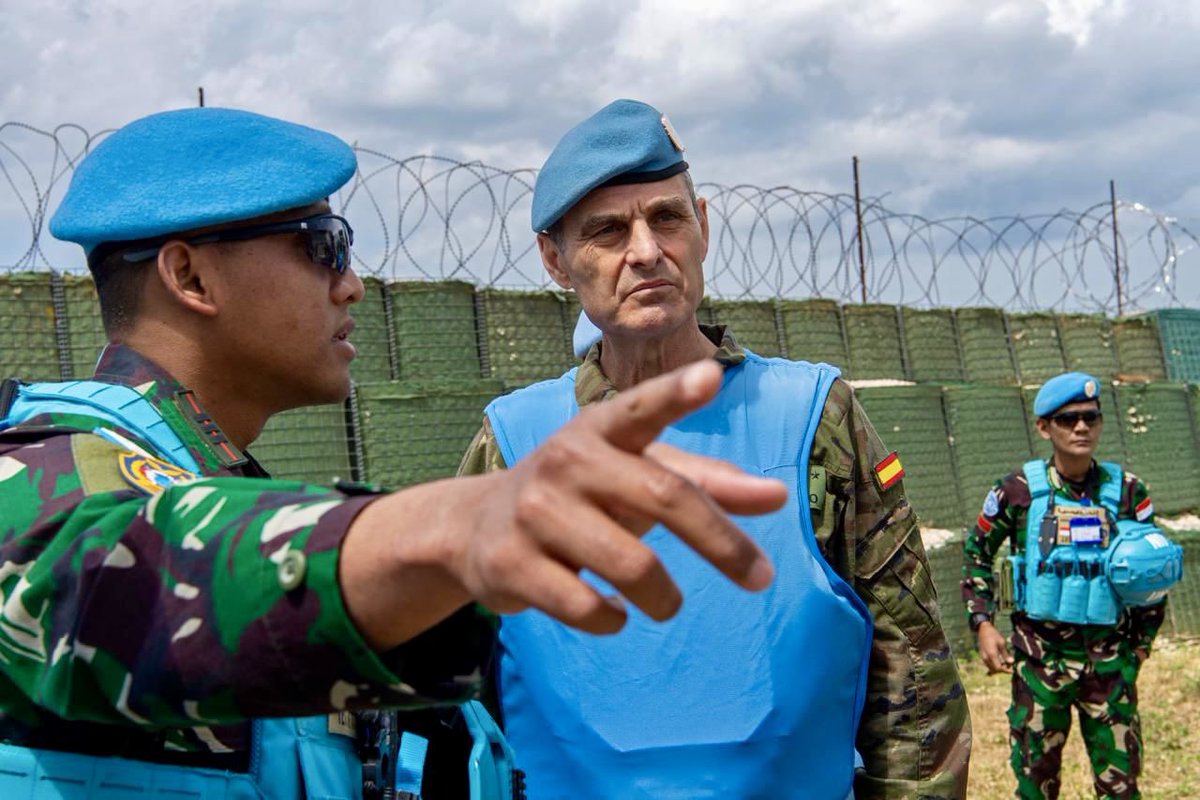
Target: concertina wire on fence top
{"x": 429, "y": 217}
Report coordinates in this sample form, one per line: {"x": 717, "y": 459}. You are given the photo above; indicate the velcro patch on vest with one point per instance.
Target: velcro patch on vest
{"x": 1081, "y": 525}
{"x": 889, "y": 471}
{"x": 343, "y": 723}
{"x": 149, "y": 474}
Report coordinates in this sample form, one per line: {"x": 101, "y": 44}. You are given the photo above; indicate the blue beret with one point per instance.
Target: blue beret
{"x": 624, "y": 142}
{"x": 188, "y": 169}
{"x": 1070, "y": 387}
{"x": 586, "y": 335}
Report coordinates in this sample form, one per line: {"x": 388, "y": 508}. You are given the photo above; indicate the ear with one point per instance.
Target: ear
{"x": 1043, "y": 428}
{"x": 188, "y": 280}
{"x": 702, "y": 207}
{"x": 552, "y": 260}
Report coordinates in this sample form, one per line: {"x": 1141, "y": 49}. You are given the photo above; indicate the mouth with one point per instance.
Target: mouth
{"x": 647, "y": 285}
{"x": 343, "y": 333}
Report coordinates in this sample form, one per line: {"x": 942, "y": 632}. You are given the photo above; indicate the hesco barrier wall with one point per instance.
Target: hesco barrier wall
{"x": 432, "y": 354}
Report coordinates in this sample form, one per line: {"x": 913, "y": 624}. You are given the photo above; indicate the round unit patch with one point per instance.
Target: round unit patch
{"x": 1089, "y": 389}
{"x": 149, "y": 474}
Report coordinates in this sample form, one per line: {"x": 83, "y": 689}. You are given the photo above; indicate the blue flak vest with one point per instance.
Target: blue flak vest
{"x": 740, "y": 695}
{"x": 1072, "y": 572}
{"x": 289, "y": 758}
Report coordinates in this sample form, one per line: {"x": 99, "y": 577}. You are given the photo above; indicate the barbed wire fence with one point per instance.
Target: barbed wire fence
{"x": 436, "y": 218}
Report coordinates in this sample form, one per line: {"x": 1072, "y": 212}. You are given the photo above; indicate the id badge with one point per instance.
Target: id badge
{"x": 1086, "y": 530}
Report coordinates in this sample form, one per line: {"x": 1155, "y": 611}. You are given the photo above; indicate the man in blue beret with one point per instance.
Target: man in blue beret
{"x": 1078, "y": 639}
{"x": 748, "y": 697}
{"x": 160, "y": 591}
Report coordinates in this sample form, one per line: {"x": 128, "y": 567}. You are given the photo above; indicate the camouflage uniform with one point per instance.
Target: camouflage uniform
{"x": 155, "y": 626}
{"x": 1059, "y": 665}
{"x": 915, "y": 734}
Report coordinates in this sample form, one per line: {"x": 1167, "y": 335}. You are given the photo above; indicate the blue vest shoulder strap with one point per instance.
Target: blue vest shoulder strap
{"x": 1110, "y": 490}
{"x": 1036, "y": 477}
{"x": 109, "y": 403}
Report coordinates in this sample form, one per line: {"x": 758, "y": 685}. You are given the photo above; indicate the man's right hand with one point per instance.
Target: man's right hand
{"x": 993, "y": 649}
{"x": 519, "y": 538}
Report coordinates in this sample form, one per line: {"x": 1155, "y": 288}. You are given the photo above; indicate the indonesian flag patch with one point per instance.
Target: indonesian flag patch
{"x": 889, "y": 471}
{"x": 1144, "y": 510}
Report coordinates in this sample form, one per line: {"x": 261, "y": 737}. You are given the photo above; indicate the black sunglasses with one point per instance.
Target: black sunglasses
{"x": 328, "y": 239}
{"x": 1069, "y": 419}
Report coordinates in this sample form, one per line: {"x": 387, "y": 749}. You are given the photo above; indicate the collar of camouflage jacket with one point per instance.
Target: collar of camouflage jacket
{"x": 592, "y": 385}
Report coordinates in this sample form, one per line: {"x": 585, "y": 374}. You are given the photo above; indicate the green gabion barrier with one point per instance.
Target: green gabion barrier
{"x": 812, "y": 331}
{"x": 911, "y": 421}
{"x": 28, "y": 344}
{"x": 983, "y": 340}
{"x": 1088, "y": 344}
{"x": 306, "y": 444}
{"x": 435, "y": 329}
{"x": 413, "y": 433}
{"x": 1112, "y": 438}
{"x": 527, "y": 335}
{"x": 1036, "y": 345}
{"x": 1157, "y": 423}
{"x": 1179, "y": 329}
{"x": 752, "y": 323}
{"x": 931, "y": 343}
{"x": 571, "y": 309}
{"x": 85, "y": 331}
{"x": 990, "y": 439}
{"x": 873, "y": 336}
{"x": 1183, "y": 604}
{"x": 1139, "y": 351}
{"x": 371, "y": 335}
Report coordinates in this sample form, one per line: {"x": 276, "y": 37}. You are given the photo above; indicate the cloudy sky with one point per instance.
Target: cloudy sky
{"x": 953, "y": 107}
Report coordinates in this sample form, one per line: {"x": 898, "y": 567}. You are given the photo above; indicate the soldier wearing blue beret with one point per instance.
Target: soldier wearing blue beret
{"x": 726, "y": 700}
{"x": 1080, "y": 630}
{"x": 162, "y": 592}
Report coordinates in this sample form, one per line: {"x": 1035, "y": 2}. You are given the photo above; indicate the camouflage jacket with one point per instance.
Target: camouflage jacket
{"x": 1003, "y": 519}
{"x": 915, "y": 734}
{"x": 153, "y": 624}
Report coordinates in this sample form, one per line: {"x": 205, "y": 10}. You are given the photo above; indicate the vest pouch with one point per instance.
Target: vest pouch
{"x": 1102, "y": 603}
{"x": 1073, "y": 605}
{"x": 1047, "y": 589}
{"x": 306, "y": 757}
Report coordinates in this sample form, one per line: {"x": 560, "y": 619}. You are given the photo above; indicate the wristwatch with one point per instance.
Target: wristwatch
{"x": 978, "y": 618}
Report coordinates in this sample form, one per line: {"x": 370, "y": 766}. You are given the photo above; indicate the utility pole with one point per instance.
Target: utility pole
{"x": 862, "y": 258}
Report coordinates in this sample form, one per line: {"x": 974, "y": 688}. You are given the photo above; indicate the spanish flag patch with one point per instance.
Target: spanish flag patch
{"x": 889, "y": 471}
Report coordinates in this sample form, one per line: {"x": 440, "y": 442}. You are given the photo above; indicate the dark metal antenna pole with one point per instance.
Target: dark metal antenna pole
{"x": 1112, "y": 196}
{"x": 201, "y": 92}
{"x": 862, "y": 258}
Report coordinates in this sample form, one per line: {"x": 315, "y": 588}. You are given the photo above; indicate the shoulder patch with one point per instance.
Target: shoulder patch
{"x": 889, "y": 471}
{"x": 149, "y": 474}
{"x": 991, "y": 503}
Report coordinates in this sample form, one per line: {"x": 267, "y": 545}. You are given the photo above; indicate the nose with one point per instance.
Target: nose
{"x": 643, "y": 249}
{"x": 348, "y": 288}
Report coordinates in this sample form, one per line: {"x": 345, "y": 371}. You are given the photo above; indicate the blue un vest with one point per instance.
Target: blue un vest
{"x": 1068, "y": 573}
{"x": 740, "y": 695}
{"x": 290, "y": 758}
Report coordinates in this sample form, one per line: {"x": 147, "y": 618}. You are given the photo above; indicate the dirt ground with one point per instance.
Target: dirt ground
{"x": 1169, "y": 701}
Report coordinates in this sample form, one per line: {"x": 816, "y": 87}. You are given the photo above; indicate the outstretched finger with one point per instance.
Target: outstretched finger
{"x": 635, "y": 417}
{"x": 736, "y": 491}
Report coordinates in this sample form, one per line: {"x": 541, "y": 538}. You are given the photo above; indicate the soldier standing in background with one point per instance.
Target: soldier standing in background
{"x": 731, "y": 699}
{"x": 1075, "y": 645}
{"x": 159, "y": 591}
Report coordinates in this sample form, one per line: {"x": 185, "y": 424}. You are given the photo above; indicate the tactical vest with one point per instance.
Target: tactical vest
{"x": 1080, "y": 563}
{"x": 740, "y": 694}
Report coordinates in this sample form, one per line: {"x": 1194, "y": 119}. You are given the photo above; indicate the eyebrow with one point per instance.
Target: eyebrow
{"x": 676, "y": 204}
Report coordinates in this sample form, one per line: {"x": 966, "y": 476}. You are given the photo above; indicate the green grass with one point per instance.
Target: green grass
{"x": 1169, "y": 702}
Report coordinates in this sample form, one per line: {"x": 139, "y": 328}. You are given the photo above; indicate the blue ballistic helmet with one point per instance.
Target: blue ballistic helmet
{"x": 182, "y": 170}
{"x": 624, "y": 142}
{"x": 1070, "y": 387}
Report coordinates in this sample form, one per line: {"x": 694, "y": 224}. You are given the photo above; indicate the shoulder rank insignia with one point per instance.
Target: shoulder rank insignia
{"x": 149, "y": 474}
{"x": 889, "y": 471}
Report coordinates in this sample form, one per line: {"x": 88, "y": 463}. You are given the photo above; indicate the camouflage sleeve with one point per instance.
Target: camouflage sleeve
{"x": 483, "y": 454}
{"x": 992, "y": 528}
{"x": 915, "y": 734}
{"x": 1144, "y": 621}
{"x": 213, "y": 601}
